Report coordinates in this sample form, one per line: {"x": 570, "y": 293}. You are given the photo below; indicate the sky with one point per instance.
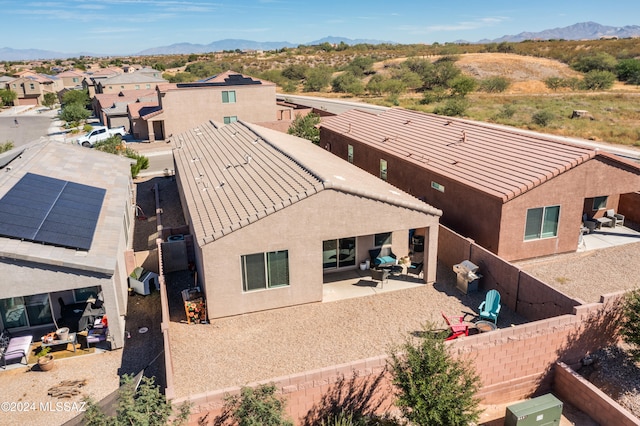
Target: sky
{"x": 120, "y": 27}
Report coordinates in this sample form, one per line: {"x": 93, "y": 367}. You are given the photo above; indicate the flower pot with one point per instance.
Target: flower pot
{"x": 45, "y": 362}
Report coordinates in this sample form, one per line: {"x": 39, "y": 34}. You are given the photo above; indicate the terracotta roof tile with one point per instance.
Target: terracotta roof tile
{"x": 497, "y": 160}
{"x": 239, "y": 173}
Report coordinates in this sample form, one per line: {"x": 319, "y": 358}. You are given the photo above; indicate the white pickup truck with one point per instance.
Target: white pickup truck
{"x": 100, "y": 133}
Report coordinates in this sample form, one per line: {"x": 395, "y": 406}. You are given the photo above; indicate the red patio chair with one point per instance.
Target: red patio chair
{"x": 457, "y": 326}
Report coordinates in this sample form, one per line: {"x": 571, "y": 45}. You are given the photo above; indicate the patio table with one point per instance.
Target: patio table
{"x": 603, "y": 221}
{"x": 56, "y": 342}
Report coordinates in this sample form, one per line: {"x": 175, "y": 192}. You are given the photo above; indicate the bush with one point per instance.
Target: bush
{"x": 347, "y": 83}
{"x": 432, "y": 387}
{"x": 506, "y": 112}
{"x": 74, "y": 112}
{"x": 494, "y": 84}
{"x": 254, "y": 407}
{"x": 542, "y": 118}
{"x": 599, "y": 61}
{"x": 598, "y": 80}
{"x": 7, "y": 146}
{"x": 304, "y": 126}
{"x": 87, "y": 128}
{"x": 462, "y": 85}
{"x": 630, "y": 329}
{"x": 453, "y": 107}
{"x": 629, "y": 70}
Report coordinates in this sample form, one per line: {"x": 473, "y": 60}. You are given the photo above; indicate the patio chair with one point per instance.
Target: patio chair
{"x": 616, "y": 218}
{"x": 457, "y": 326}
{"x": 490, "y": 308}
{"x": 589, "y": 224}
{"x": 415, "y": 269}
{"x": 16, "y": 349}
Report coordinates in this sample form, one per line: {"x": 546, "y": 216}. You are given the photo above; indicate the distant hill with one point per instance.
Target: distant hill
{"x": 580, "y": 31}
{"x": 233, "y": 44}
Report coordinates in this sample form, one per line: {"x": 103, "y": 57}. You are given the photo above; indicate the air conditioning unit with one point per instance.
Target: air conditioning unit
{"x": 545, "y": 410}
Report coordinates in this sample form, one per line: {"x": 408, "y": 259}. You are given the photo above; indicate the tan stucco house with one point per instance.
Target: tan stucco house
{"x": 65, "y": 227}
{"x": 272, "y": 215}
{"x": 224, "y": 98}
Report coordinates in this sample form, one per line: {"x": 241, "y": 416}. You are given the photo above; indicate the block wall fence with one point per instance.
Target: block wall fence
{"x": 512, "y": 363}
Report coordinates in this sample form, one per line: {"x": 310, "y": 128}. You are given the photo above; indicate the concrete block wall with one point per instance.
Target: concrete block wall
{"x": 512, "y": 363}
{"x": 519, "y": 291}
{"x": 579, "y": 392}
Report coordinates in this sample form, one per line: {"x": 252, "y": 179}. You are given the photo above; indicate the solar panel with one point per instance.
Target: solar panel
{"x": 51, "y": 211}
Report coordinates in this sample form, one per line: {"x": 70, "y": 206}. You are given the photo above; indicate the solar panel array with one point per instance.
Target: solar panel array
{"x": 52, "y": 211}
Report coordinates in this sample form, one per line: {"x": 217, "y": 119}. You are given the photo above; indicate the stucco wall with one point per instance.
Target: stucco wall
{"x": 630, "y": 206}
{"x": 301, "y": 228}
{"x": 482, "y": 217}
{"x": 183, "y": 109}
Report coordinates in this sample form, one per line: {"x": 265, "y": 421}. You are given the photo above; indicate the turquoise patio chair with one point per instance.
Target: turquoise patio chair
{"x": 490, "y": 308}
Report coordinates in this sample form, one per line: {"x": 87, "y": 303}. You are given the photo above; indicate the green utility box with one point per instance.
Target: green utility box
{"x": 545, "y": 410}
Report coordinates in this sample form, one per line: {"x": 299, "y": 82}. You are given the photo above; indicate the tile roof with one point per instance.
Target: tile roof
{"x": 132, "y": 78}
{"x": 497, "y": 160}
{"x": 239, "y": 173}
{"x": 227, "y": 78}
{"x": 108, "y": 99}
{"x": 81, "y": 165}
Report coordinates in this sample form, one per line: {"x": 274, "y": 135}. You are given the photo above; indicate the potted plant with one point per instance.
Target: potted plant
{"x": 45, "y": 361}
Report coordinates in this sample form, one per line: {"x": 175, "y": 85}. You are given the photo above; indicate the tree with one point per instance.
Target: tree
{"x": 254, "y": 407}
{"x": 599, "y": 61}
{"x": 7, "y": 96}
{"x": 74, "y": 113}
{"x": 80, "y": 97}
{"x": 347, "y": 83}
{"x": 7, "y": 146}
{"x": 317, "y": 79}
{"x": 145, "y": 406}
{"x": 629, "y": 70}
{"x": 496, "y": 84}
{"x": 462, "y": 85}
{"x": 114, "y": 145}
{"x": 433, "y": 388}
{"x": 304, "y": 126}
{"x": 598, "y": 80}
{"x": 630, "y": 329}
{"x": 295, "y": 71}
{"x": 49, "y": 100}
{"x": 361, "y": 65}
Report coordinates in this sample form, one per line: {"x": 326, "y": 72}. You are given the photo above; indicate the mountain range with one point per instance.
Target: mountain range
{"x": 580, "y": 31}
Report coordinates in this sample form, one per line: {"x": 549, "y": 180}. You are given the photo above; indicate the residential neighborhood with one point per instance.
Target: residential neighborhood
{"x": 244, "y": 254}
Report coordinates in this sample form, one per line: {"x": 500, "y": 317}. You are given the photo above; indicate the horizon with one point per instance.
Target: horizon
{"x": 126, "y": 27}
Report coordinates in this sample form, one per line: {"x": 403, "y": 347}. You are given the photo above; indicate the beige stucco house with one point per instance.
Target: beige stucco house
{"x": 225, "y": 98}
{"x": 31, "y": 87}
{"x": 46, "y": 187}
{"x": 272, "y": 215}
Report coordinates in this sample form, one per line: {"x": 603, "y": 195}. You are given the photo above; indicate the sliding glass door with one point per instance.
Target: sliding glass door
{"x": 339, "y": 253}
{"x": 27, "y": 311}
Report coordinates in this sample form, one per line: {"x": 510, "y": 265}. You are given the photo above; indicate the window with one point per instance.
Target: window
{"x": 83, "y": 294}
{"x": 75, "y": 79}
{"x": 350, "y": 154}
{"x": 383, "y": 169}
{"x": 148, "y": 85}
{"x": 437, "y": 186}
{"x": 339, "y": 253}
{"x": 265, "y": 270}
{"x": 231, "y": 119}
{"x": 26, "y": 311}
{"x": 228, "y": 96}
{"x": 542, "y": 222}
{"x": 32, "y": 86}
{"x": 600, "y": 203}
{"x": 383, "y": 239}
{"x": 137, "y": 87}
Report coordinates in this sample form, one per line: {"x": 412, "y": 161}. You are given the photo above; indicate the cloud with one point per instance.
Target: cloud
{"x": 459, "y": 26}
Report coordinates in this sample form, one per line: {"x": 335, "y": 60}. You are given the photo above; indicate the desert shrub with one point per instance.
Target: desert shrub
{"x": 494, "y": 84}
{"x": 433, "y": 387}
{"x": 599, "y": 61}
{"x": 462, "y": 85}
{"x": 506, "y": 111}
{"x": 7, "y": 146}
{"x": 305, "y": 126}
{"x": 630, "y": 329}
{"x": 553, "y": 83}
{"x": 317, "y": 78}
{"x": 542, "y": 118}
{"x": 347, "y": 83}
{"x": 628, "y": 70}
{"x": 254, "y": 407}
{"x": 432, "y": 96}
{"x": 452, "y": 107}
{"x": 598, "y": 80}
